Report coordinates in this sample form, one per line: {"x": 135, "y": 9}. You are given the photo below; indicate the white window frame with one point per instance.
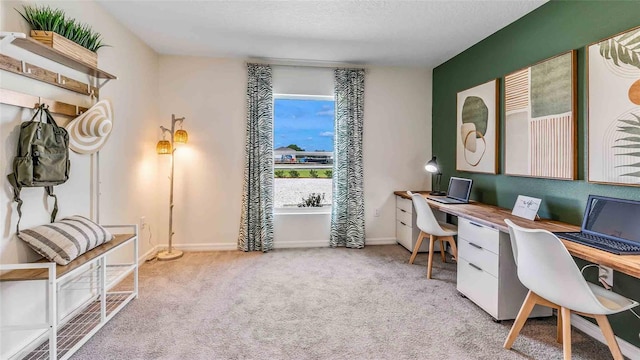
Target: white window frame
{"x": 302, "y": 210}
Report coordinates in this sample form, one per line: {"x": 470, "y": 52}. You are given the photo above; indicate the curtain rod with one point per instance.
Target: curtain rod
{"x": 304, "y": 63}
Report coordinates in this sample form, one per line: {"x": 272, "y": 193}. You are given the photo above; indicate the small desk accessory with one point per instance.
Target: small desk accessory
{"x": 526, "y": 207}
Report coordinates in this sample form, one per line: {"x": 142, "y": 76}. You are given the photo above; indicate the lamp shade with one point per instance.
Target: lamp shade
{"x": 163, "y": 147}
{"x": 181, "y": 136}
{"x": 432, "y": 165}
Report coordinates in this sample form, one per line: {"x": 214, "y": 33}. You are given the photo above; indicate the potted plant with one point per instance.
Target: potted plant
{"x": 313, "y": 200}
{"x": 53, "y": 28}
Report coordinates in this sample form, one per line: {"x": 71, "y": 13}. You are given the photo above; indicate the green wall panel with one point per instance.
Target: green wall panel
{"x": 554, "y": 28}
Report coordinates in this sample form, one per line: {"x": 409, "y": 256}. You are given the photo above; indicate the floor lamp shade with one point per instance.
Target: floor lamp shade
{"x": 181, "y": 137}
{"x": 163, "y": 147}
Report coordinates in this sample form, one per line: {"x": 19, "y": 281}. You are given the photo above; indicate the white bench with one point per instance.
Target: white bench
{"x": 100, "y": 284}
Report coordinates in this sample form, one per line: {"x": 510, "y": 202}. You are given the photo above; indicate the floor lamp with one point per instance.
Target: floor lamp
{"x": 167, "y": 147}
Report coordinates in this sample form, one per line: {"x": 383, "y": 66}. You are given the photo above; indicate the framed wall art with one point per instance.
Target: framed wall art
{"x": 477, "y": 129}
{"x": 540, "y": 119}
{"x": 614, "y": 109}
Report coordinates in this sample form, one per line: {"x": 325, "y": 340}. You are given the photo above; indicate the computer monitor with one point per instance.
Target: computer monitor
{"x": 459, "y": 188}
{"x": 614, "y": 218}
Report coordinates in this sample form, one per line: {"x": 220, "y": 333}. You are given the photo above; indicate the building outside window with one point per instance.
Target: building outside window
{"x": 303, "y": 150}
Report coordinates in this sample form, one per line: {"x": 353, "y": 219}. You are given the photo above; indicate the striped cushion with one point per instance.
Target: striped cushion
{"x": 65, "y": 240}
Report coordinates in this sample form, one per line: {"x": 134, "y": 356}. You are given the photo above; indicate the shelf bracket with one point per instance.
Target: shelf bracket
{"x": 8, "y": 37}
{"x": 100, "y": 85}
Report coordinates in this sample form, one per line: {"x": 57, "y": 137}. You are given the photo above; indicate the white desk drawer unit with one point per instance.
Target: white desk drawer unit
{"x": 406, "y": 229}
{"x": 487, "y": 273}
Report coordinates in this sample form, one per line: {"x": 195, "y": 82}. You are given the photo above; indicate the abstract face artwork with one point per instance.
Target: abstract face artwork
{"x": 477, "y": 135}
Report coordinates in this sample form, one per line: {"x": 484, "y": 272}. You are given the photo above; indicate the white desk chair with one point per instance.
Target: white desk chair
{"x": 428, "y": 225}
{"x": 546, "y": 268}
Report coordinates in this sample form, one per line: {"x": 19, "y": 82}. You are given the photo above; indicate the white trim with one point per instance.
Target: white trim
{"x": 206, "y": 246}
{"x": 380, "y": 241}
{"x": 302, "y": 211}
{"x": 593, "y": 330}
{"x": 303, "y": 97}
{"x": 142, "y": 259}
{"x": 300, "y": 244}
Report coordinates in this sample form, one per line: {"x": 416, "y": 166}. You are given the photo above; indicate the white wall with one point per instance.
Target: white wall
{"x": 128, "y": 161}
{"x": 397, "y": 141}
{"x": 211, "y": 93}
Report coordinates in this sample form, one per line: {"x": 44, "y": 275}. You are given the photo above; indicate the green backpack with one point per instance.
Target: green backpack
{"x": 42, "y": 160}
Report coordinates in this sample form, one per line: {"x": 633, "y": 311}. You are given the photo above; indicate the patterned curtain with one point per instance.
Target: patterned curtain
{"x": 256, "y": 223}
{"x": 347, "y": 212}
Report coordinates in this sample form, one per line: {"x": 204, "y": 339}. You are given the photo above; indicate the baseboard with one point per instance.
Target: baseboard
{"x": 145, "y": 256}
{"x": 591, "y": 329}
{"x": 276, "y": 245}
{"x": 300, "y": 244}
{"x": 206, "y": 247}
{"x": 380, "y": 241}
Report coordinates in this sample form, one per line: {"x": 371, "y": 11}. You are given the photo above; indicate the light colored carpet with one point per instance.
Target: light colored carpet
{"x": 314, "y": 304}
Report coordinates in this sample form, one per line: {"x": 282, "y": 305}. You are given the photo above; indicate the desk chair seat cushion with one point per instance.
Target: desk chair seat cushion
{"x": 448, "y": 229}
{"x": 615, "y": 302}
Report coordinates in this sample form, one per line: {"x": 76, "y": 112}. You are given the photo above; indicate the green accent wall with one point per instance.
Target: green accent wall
{"x": 554, "y": 28}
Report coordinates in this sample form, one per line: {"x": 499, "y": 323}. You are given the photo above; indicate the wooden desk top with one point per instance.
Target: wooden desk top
{"x": 493, "y": 216}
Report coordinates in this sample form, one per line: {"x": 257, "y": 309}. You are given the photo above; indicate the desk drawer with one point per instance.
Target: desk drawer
{"x": 404, "y": 234}
{"x": 483, "y": 236}
{"x": 479, "y": 286}
{"x": 404, "y": 204}
{"x": 403, "y": 216}
{"x": 478, "y": 256}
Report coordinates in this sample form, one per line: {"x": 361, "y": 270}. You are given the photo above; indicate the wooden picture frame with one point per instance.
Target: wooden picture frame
{"x": 613, "y": 95}
{"x": 540, "y": 131}
{"x": 477, "y": 128}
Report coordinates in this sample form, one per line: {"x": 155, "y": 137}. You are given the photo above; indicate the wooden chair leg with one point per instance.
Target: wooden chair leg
{"x": 605, "y": 327}
{"x": 454, "y": 248}
{"x": 559, "y": 329}
{"x": 432, "y": 240}
{"x": 417, "y": 247}
{"x": 444, "y": 259}
{"x": 566, "y": 332}
{"x": 523, "y": 315}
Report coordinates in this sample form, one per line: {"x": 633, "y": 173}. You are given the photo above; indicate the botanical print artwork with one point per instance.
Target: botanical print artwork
{"x": 477, "y": 119}
{"x": 614, "y": 109}
{"x": 540, "y": 124}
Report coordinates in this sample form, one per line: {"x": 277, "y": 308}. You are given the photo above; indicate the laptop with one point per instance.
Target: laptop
{"x": 609, "y": 224}
{"x": 458, "y": 192}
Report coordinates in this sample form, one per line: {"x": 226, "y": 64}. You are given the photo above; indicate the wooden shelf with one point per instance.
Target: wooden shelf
{"x": 59, "y": 57}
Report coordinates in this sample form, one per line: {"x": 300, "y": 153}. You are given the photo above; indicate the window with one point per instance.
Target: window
{"x": 303, "y": 150}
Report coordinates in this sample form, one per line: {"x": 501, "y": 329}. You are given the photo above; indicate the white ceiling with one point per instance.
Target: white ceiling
{"x": 401, "y": 32}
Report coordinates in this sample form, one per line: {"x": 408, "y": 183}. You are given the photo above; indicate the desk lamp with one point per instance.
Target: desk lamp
{"x": 432, "y": 167}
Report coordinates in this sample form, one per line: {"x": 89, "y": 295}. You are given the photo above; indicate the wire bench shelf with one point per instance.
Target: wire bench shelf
{"x": 102, "y": 288}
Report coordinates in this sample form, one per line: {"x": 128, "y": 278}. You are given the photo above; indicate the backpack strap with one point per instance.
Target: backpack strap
{"x": 16, "y": 198}
{"x": 55, "y": 202}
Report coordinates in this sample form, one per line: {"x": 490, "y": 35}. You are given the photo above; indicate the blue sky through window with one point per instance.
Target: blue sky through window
{"x": 306, "y": 123}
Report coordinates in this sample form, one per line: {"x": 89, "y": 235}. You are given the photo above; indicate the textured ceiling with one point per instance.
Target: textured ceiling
{"x": 417, "y": 33}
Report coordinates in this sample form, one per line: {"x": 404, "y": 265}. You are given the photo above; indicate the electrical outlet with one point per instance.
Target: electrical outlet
{"x": 143, "y": 222}
{"x": 376, "y": 213}
{"x": 605, "y": 274}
